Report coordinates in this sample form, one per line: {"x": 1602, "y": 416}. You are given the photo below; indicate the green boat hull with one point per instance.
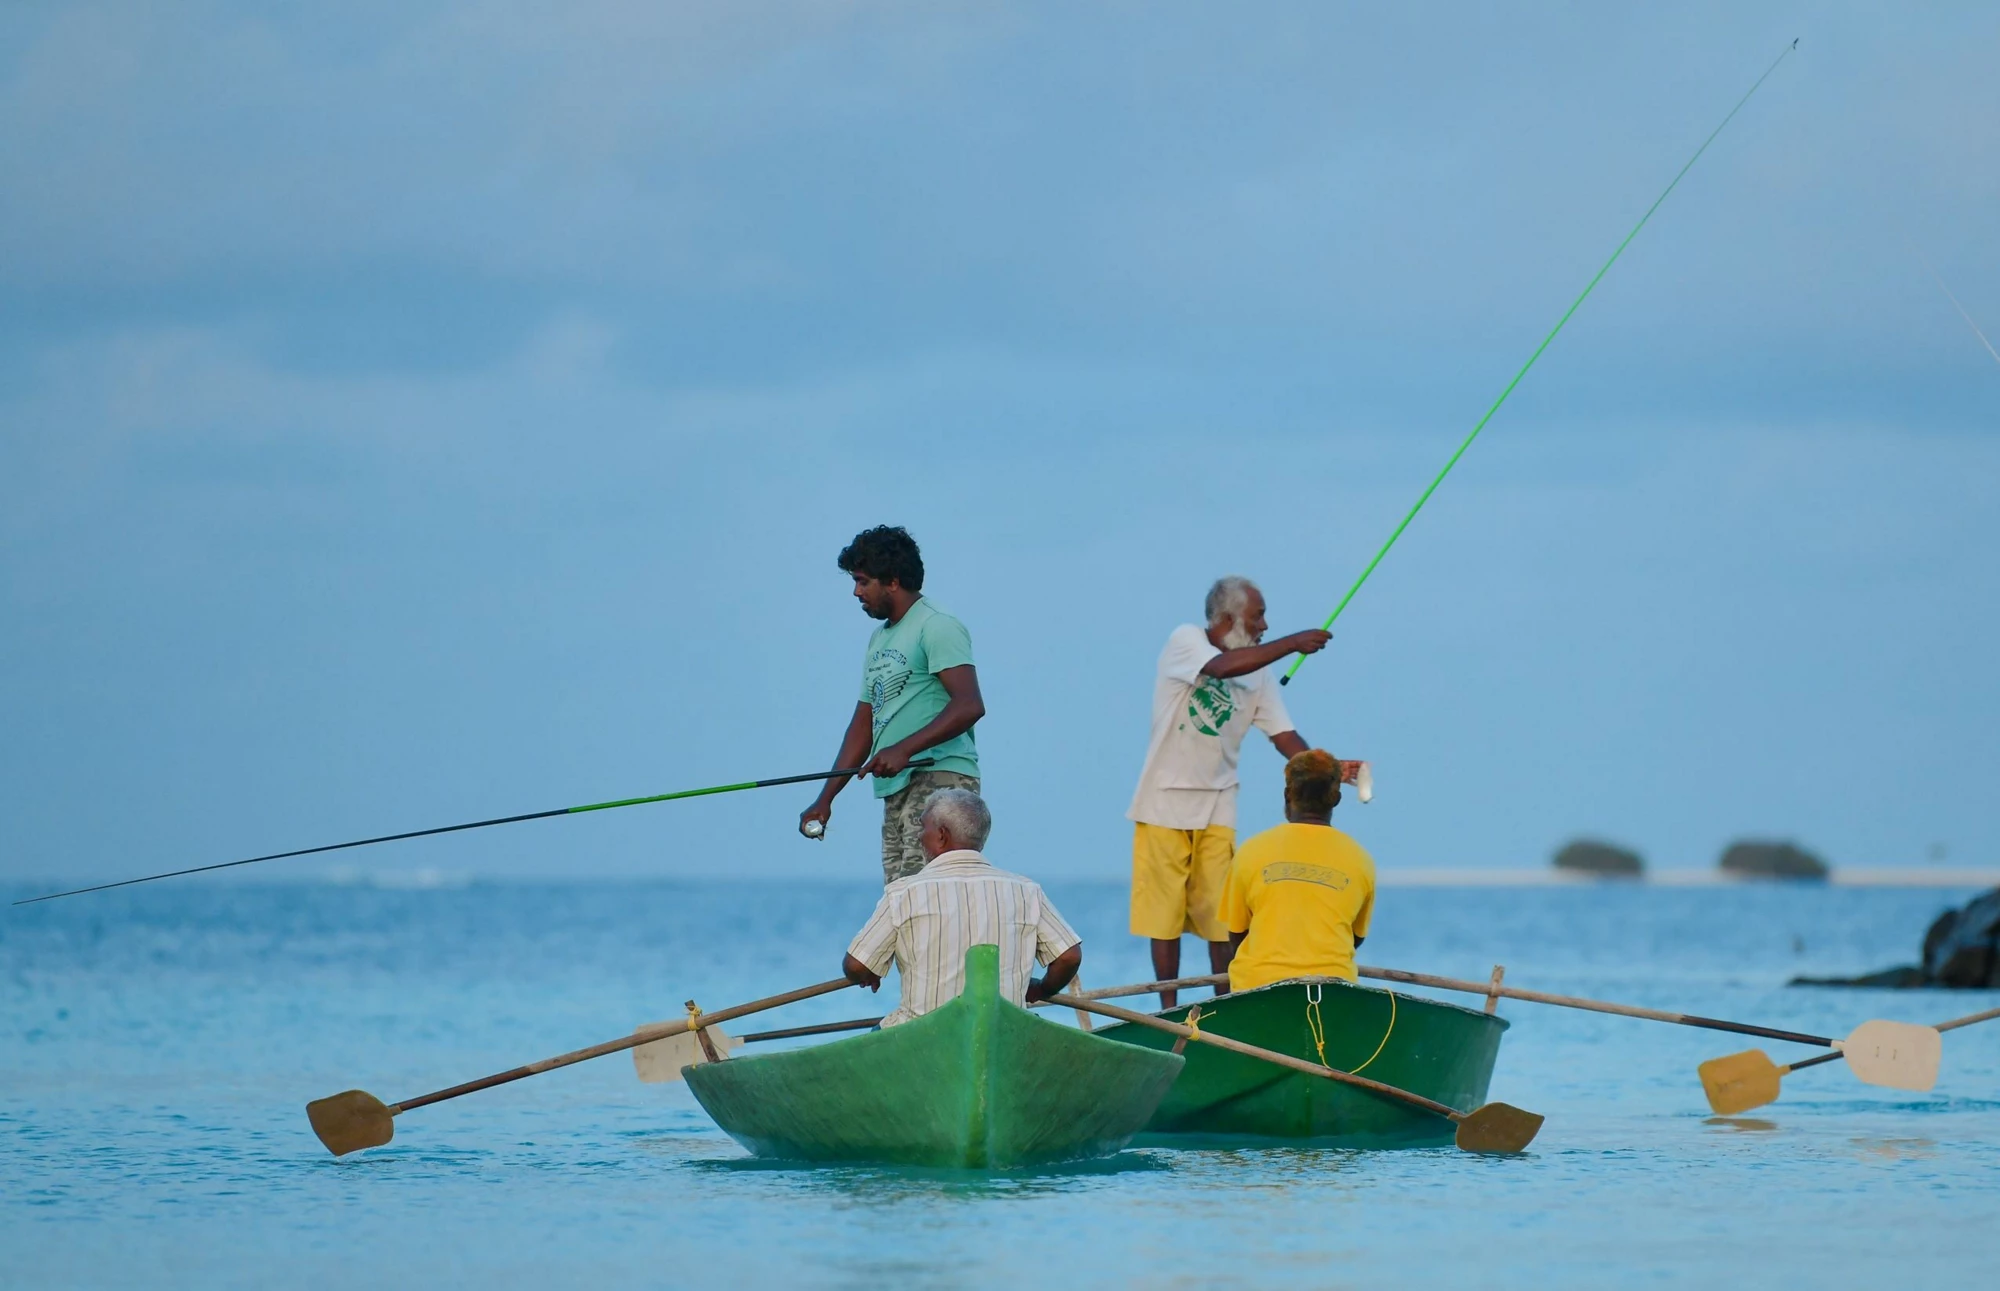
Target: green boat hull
{"x": 1439, "y": 1050}
{"x": 977, "y": 1084}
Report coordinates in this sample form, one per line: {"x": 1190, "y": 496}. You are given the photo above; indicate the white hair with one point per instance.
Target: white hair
{"x": 1227, "y": 598}
{"x": 962, "y": 813}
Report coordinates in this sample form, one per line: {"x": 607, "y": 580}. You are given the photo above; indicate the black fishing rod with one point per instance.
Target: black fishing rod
{"x": 471, "y": 824}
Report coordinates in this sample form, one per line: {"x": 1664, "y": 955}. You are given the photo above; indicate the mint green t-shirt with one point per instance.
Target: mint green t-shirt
{"x": 899, "y": 681}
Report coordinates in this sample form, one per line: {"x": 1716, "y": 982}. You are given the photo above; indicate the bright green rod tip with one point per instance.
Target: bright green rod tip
{"x": 1299, "y": 661}
{"x": 665, "y": 797}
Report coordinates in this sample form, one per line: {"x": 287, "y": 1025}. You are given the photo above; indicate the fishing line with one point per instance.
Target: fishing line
{"x": 1574, "y": 305}
{"x": 1962, "y": 314}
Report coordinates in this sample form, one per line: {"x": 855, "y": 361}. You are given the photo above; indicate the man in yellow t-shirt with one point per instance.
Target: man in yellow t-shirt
{"x": 1299, "y": 896}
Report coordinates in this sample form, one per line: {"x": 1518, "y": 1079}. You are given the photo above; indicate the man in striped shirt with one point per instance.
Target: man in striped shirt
{"x": 925, "y": 923}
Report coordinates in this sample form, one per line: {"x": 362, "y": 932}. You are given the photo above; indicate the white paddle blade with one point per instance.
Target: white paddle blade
{"x": 659, "y": 1062}
{"x": 1364, "y": 783}
{"x": 1895, "y": 1055}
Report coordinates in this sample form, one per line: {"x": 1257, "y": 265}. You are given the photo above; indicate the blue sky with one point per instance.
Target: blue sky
{"x": 417, "y": 412}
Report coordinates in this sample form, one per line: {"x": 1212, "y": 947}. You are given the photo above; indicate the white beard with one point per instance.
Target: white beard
{"x": 1237, "y": 638}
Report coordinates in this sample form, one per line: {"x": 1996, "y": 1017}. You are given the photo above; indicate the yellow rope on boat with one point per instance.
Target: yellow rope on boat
{"x": 1385, "y": 1035}
{"x": 1317, "y": 1025}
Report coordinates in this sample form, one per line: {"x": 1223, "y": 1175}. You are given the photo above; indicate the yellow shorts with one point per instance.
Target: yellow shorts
{"x": 1177, "y": 880}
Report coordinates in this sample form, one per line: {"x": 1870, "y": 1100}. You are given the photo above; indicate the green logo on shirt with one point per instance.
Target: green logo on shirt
{"x": 1213, "y": 705}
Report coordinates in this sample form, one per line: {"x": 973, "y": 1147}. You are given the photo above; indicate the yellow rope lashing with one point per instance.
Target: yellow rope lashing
{"x": 1385, "y": 1035}
{"x": 1317, "y": 1025}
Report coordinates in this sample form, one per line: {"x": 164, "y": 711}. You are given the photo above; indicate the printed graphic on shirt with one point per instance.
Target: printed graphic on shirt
{"x": 1299, "y": 872}
{"x": 888, "y": 674}
{"x": 1212, "y": 705}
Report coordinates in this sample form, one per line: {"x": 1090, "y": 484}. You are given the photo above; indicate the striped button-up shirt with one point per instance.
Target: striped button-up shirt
{"x": 924, "y": 924}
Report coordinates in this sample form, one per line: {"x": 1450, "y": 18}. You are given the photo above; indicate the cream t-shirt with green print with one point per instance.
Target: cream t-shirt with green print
{"x": 1199, "y": 722}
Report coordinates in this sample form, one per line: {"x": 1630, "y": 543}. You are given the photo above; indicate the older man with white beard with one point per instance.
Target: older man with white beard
{"x": 1214, "y": 685}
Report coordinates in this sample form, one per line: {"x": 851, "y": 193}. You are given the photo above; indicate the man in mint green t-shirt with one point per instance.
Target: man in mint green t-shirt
{"x": 919, "y": 699}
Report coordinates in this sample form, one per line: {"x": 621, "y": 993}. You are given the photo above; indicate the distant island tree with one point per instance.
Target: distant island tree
{"x": 1751, "y": 859}
{"x": 1599, "y": 859}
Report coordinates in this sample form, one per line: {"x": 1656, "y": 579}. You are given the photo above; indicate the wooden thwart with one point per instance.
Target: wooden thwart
{"x": 356, "y": 1119}
{"x": 1495, "y": 1127}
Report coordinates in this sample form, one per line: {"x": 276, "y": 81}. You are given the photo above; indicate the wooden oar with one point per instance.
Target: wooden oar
{"x": 1495, "y": 1127}
{"x": 1895, "y": 1054}
{"x": 1490, "y": 990}
{"x": 1591, "y": 1006}
{"x": 1149, "y": 988}
{"x": 356, "y": 1119}
{"x": 789, "y": 1033}
{"x": 661, "y": 1063}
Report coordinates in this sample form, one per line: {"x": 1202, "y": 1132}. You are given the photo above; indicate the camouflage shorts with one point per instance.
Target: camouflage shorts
{"x": 902, "y": 816}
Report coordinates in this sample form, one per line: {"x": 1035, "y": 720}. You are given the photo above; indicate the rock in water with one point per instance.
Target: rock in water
{"x": 1599, "y": 859}
{"x": 1746, "y": 859}
{"x": 1961, "y": 949}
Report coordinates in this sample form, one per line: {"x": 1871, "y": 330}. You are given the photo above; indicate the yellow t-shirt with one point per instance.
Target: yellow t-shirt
{"x": 1303, "y": 893}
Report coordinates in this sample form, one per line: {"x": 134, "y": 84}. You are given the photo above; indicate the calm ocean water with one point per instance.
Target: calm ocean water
{"x": 157, "y": 1048}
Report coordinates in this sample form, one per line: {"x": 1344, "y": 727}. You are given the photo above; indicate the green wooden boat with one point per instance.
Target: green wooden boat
{"x": 980, "y": 1083}
{"x": 1427, "y": 1047}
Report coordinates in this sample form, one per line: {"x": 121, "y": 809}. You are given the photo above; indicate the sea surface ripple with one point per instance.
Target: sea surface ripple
{"x": 158, "y": 1045}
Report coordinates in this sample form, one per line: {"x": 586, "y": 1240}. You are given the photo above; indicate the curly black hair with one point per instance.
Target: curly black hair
{"x": 886, "y": 553}
{"x": 1312, "y": 782}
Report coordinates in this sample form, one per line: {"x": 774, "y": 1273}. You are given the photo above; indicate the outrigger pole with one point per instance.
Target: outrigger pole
{"x": 1574, "y": 305}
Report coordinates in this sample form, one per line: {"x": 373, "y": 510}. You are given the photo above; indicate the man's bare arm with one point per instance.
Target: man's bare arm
{"x": 963, "y": 707}
{"x": 1057, "y": 975}
{"x": 1234, "y": 663}
{"x": 854, "y": 744}
{"x": 860, "y": 974}
{"x": 1290, "y": 744}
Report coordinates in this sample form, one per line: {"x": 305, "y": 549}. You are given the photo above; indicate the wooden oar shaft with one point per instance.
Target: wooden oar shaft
{"x": 1956, "y": 1023}
{"x": 858, "y": 1024}
{"x": 643, "y": 1035}
{"x": 1252, "y": 1051}
{"x": 1489, "y": 990}
{"x": 1148, "y": 988}
{"x": 1592, "y": 1006}
{"x": 1952, "y": 1025}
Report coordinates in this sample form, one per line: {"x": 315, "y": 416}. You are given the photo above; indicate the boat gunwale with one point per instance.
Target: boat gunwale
{"x": 1329, "y": 981}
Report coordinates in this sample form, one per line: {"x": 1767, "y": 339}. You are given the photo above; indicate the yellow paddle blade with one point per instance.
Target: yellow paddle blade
{"x": 351, "y": 1121}
{"x": 1740, "y": 1081}
{"x": 660, "y": 1061}
{"x": 1898, "y": 1055}
{"x": 1497, "y": 1127}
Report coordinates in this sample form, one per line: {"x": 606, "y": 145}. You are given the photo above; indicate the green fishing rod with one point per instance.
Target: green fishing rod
{"x": 473, "y": 824}
{"x": 1574, "y": 306}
